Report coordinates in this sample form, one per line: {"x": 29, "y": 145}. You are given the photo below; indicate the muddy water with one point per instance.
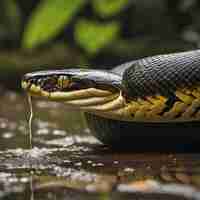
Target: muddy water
{"x": 66, "y": 162}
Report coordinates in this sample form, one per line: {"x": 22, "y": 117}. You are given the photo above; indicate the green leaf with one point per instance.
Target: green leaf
{"x": 10, "y": 17}
{"x": 92, "y": 36}
{"x": 107, "y": 8}
{"x": 48, "y": 19}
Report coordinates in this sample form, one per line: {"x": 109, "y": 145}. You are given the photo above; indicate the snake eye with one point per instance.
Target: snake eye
{"x": 63, "y": 82}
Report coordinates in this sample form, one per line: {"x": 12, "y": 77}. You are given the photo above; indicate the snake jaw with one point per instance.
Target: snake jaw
{"x": 71, "y": 84}
{"x": 97, "y": 92}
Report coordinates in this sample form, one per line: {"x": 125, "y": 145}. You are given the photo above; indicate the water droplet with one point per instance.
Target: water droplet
{"x": 59, "y": 132}
{"x": 78, "y": 164}
{"x": 43, "y": 131}
{"x": 128, "y": 169}
{"x": 7, "y": 135}
{"x": 100, "y": 164}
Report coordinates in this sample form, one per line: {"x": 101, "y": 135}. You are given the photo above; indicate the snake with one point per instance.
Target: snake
{"x": 138, "y": 102}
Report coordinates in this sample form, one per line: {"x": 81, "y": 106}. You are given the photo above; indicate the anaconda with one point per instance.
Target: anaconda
{"x": 136, "y": 103}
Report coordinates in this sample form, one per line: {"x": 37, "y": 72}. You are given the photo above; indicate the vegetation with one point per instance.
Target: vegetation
{"x": 98, "y": 33}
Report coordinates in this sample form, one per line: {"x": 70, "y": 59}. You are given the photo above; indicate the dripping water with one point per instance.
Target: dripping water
{"x": 30, "y": 121}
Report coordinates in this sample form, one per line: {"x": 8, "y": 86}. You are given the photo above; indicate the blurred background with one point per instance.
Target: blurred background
{"x": 66, "y": 162}
{"x": 44, "y": 34}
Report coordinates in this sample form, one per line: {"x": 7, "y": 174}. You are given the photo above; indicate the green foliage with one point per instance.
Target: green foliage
{"x": 92, "y": 36}
{"x": 48, "y": 19}
{"x": 10, "y": 17}
{"x": 107, "y": 8}
{"x": 51, "y": 16}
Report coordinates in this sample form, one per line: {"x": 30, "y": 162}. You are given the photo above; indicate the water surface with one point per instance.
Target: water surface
{"x": 66, "y": 162}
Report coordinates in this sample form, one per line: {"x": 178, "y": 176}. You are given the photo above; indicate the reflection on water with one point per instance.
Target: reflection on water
{"x": 66, "y": 162}
{"x": 31, "y": 186}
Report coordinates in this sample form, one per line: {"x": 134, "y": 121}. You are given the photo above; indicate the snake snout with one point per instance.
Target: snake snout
{"x": 27, "y": 81}
{"x": 30, "y": 78}
{"x": 38, "y": 81}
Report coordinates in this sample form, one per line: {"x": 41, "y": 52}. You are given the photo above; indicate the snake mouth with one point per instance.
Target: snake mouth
{"x": 83, "y": 89}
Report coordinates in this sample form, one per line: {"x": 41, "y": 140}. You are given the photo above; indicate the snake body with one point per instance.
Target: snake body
{"x": 163, "y": 74}
{"x": 154, "y": 98}
{"x": 175, "y": 77}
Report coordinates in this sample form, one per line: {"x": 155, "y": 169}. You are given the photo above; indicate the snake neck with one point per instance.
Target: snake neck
{"x": 101, "y": 103}
{"x": 184, "y": 106}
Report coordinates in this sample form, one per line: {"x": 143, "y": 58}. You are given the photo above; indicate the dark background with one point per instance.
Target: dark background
{"x": 44, "y": 34}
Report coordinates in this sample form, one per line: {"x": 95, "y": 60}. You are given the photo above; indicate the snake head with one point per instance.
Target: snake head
{"x": 47, "y": 81}
{"x": 94, "y": 91}
{"x": 60, "y": 84}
